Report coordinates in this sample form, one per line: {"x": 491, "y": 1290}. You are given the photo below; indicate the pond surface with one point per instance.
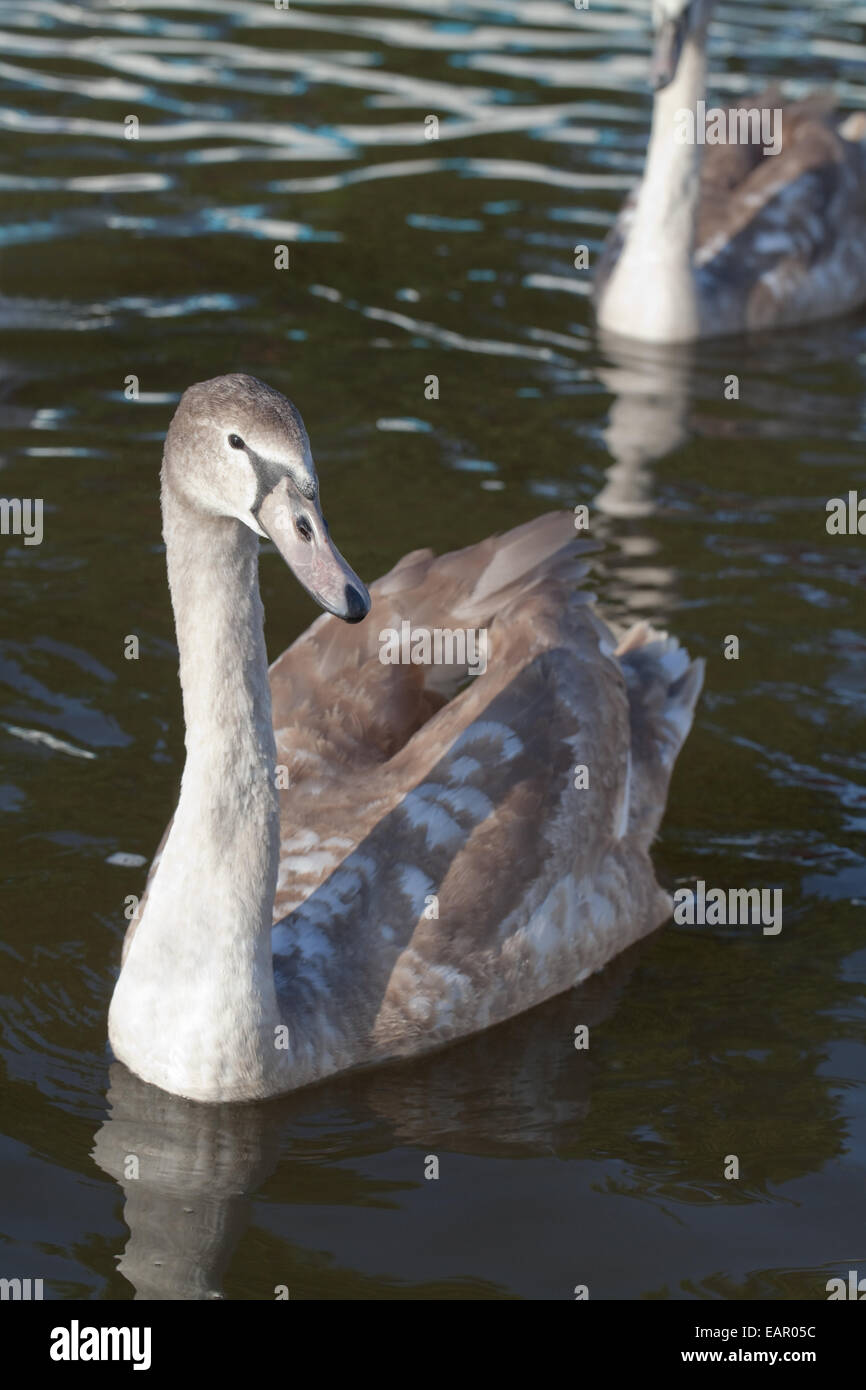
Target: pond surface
{"x": 154, "y": 258}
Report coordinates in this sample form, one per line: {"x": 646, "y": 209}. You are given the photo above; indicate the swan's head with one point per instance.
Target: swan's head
{"x": 237, "y": 448}
{"x": 675, "y": 21}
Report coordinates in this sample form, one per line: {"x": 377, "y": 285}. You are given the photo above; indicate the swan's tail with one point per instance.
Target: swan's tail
{"x": 663, "y": 689}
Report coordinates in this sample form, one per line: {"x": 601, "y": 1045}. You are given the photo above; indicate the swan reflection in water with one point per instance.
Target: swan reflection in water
{"x": 766, "y": 387}
{"x": 190, "y": 1172}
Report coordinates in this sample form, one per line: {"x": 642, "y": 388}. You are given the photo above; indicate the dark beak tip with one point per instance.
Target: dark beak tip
{"x": 357, "y": 605}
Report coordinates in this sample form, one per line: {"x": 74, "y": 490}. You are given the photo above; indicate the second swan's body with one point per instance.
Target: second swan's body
{"x": 730, "y": 238}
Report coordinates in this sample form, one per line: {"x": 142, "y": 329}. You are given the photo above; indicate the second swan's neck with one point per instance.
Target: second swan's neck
{"x": 652, "y": 292}
{"x": 207, "y": 914}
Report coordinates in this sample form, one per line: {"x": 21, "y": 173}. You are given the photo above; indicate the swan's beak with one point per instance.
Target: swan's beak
{"x": 300, "y": 533}
{"x": 669, "y": 39}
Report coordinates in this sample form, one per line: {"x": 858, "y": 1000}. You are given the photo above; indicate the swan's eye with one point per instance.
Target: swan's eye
{"x": 304, "y": 529}
{"x": 236, "y": 441}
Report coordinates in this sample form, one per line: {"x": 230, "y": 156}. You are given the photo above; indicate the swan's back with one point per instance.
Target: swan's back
{"x": 780, "y": 237}
{"x": 440, "y": 869}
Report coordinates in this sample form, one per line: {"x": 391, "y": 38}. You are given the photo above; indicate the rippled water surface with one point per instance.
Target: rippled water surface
{"x": 154, "y": 258}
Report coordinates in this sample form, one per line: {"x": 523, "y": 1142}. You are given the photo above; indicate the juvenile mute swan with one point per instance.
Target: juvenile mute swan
{"x": 431, "y": 867}
{"x": 725, "y": 238}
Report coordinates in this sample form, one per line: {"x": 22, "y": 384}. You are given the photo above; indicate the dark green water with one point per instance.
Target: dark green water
{"x": 154, "y": 258}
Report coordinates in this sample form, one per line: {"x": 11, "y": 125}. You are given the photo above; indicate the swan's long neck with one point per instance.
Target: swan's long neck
{"x": 213, "y": 577}
{"x": 195, "y": 1008}
{"x": 652, "y": 292}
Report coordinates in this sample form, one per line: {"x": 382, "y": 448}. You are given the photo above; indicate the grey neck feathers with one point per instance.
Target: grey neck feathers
{"x": 212, "y": 567}
{"x": 195, "y": 1009}
{"x": 227, "y": 790}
